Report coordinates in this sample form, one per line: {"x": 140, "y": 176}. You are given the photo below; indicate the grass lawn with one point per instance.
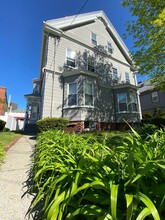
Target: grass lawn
{"x": 5, "y": 139}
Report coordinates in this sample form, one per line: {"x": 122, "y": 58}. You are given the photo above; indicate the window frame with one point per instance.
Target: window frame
{"x": 127, "y": 77}
{"x": 85, "y": 94}
{"x": 114, "y": 76}
{"x": 94, "y": 40}
{"x": 90, "y": 67}
{"x": 153, "y": 96}
{"x": 109, "y": 49}
{"x": 68, "y": 94}
{"x": 133, "y": 97}
{"x": 126, "y": 103}
{"x": 70, "y": 59}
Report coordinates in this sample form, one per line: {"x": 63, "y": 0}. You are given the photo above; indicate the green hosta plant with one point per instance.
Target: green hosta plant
{"x": 76, "y": 178}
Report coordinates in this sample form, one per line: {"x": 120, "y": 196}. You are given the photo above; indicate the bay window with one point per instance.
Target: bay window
{"x": 72, "y": 94}
{"x": 134, "y": 102}
{"x": 122, "y": 102}
{"x": 88, "y": 94}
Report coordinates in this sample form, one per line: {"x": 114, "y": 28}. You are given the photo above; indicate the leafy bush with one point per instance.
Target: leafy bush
{"x": 147, "y": 129}
{"x": 75, "y": 178}
{"x": 2, "y": 125}
{"x": 158, "y": 118}
{"x": 51, "y": 124}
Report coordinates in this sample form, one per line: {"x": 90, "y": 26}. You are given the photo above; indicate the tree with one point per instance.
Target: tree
{"x": 148, "y": 31}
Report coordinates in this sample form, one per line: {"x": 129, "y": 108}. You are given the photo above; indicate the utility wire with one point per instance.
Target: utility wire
{"x": 79, "y": 12}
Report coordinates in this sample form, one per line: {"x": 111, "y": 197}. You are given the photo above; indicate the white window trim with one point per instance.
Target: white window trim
{"x": 153, "y": 96}
{"x": 134, "y": 102}
{"x": 117, "y": 76}
{"x": 67, "y": 57}
{"x": 118, "y": 103}
{"x": 127, "y": 79}
{"x": 94, "y": 58}
{"x": 92, "y": 39}
{"x": 92, "y": 95}
{"x": 73, "y": 93}
{"x": 111, "y": 47}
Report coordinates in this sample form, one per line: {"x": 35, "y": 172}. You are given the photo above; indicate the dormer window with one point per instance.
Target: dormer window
{"x": 94, "y": 39}
{"x": 109, "y": 48}
{"x": 71, "y": 58}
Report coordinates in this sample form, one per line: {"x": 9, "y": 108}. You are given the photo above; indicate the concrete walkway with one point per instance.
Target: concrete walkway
{"x": 13, "y": 174}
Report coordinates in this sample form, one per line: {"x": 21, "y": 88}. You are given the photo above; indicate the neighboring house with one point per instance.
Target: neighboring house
{"x": 14, "y": 120}
{"x": 86, "y": 75}
{"x": 3, "y": 100}
{"x": 150, "y": 97}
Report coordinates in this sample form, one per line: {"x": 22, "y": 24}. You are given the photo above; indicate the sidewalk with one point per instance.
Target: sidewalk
{"x": 13, "y": 174}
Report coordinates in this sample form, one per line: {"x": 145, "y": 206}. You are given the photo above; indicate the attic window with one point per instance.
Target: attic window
{"x": 94, "y": 39}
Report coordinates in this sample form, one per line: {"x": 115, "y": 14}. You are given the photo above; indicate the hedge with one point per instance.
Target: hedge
{"x": 2, "y": 125}
{"x": 51, "y": 124}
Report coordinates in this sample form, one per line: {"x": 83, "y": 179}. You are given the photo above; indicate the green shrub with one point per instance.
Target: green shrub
{"x": 75, "y": 178}
{"x": 147, "y": 129}
{"x": 51, "y": 124}
{"x": 2, "y": 125}
{"x": 158, "y": 118}
{"x": 6, "y": 129}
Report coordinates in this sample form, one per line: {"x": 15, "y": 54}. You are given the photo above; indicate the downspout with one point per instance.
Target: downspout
{"x": 52, "y": 95}
{"x": 54, "y": 71}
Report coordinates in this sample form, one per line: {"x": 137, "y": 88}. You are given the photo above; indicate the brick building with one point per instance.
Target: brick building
{"x": 3, "y": 100}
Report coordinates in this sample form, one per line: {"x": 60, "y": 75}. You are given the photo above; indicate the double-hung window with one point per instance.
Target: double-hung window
{"x": 88, "y": 94}
{"x": 127, "y": 79}
{"x": 134, "y": 102}
{"x": 94, "y": 39}
{"x": 155, "y": 97}
{"x": 72, "y": 94}
{"x": 91, "y": 63}
{"x": 71, "y": 58}
{"x": 114, "y": 74}
{"x": 122, "y": 102}
{"x": 109, "y": 48}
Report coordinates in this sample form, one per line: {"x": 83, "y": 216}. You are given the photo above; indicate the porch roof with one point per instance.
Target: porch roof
{"x": 32, "y": 96}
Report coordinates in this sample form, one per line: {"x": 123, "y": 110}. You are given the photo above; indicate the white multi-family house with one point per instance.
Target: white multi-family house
{"x": 86, "y": 75}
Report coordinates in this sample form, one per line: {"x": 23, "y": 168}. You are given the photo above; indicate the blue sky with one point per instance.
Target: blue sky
{"x": 21, "y": 33}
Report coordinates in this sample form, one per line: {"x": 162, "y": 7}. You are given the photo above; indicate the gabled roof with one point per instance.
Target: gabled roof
{"x": 60, "y": 24}
{"x": 145, "y": 86}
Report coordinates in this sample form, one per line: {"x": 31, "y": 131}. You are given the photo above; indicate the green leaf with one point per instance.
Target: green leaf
{"x": 145, "y": 212}
{"x": 129, "y": 201}
{"x": 146, "y": 200}
{"x": 88, "y": 210}
{"x": 114, "y": 193}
